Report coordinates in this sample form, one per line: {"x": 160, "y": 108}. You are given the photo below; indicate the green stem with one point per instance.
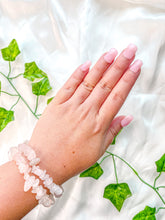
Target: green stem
{"x": 104, "y": 159}
{"x": 136, "y": 173}
{"x": 15, "y": 103}
{"x": 156, "y": 179}
{"x": 9, "y": 69}
{"x": 8, "y": 93}
{"x": 16, "y": 76}
{"x": 22, "y": 98}
{"x": 3, "y": 74}
{"x": 19, "y": 94}
{"x": 39, "y": 114}
{"x": 36, "y": 105}
{"x": 115, "y": 169}
{"x": 159, "y": 209}
{"x": 160, "y": 187}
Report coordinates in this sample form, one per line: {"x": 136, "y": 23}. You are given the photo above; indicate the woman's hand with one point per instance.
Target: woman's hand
{"x": 78, "y": 125}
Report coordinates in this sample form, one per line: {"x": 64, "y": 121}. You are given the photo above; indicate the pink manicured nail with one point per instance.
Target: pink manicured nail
{"x": 130, "y": 51}
{"x": 136, "y": 66}
{"x": 86, "y": 65}
{"x": 126, "y": 120}
{"x": 110, "y": 56}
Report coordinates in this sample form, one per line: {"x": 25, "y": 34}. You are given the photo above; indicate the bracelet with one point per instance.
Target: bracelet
{"x": 27, "y": 162}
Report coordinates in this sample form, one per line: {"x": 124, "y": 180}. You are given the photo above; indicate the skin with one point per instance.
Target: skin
{"x": 74, "y": 130}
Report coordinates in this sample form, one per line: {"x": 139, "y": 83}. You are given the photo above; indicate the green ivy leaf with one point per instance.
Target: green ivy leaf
{"x": 11, "y": 52}
{"x": 5, "y": 117}
{"x": 117, "y": 194}
{"x": 94, "y": 171}
{"x": 49, "y": 100}
{"x": 42, "y": 87}
{"x": 32, "y": 72}
{"x": 161, "y": 164}
{"x": 147, "y": 214}
{"x": 114, "y": 140}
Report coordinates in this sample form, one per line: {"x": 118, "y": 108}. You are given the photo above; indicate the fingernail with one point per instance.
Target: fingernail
{"x": 110, "y": 56}
{"x": 130, "y": 51}
{"x": 136, "y": 66}
{"x": 86, "y": 65}
{"x": 126, "y": 121}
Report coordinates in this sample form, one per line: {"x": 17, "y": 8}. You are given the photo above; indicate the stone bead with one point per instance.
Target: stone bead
{"x": 31, "y": 155}
{"x": 27, "y": 150}
{"x": 35, "y": 189}
{"x": 43, "y": 175}
{"x": 36, "y": 170}
{"x": 40, "y": 192}
{"x": 29, "y": 183}
{"x": 56, "y": 190}
{"x": 23, "y": 168}
{"x": 20, "y": 159}
{"x": 47, "y": 200}
{"x": 34, "y": 161}
{"x": 24, "y": 148}
{"x": 36, "y": 183}
{"x": 12, "y": 151}
{"x": 26, "y": 176}
{"x": 48, "y": 182}
{"x": 17, "y": 157}
{"x": 46, "y": 176}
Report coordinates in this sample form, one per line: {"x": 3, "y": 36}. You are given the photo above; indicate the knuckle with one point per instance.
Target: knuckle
{"x": 126, "y": 78}
{"x": 75, "y": 78}
{"x": 97, "y": 129}
{"x": 99, "y": 126}
{"x": 118, "y": 97}
{"x": 118, "y": 67}
{"x": 105, "y": 85}
{"x": 88, "y": 86}
{"x": 68, "y": 88}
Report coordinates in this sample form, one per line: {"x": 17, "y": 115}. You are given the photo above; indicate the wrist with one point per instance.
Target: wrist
{"x": 49, "y": 161}
{"x": 28, "y": 164}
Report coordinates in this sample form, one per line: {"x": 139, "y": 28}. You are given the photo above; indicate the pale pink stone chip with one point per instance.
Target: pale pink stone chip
{"x": 34, "y": 161}
{"x": 47, "y": 200}
{"x": 56, "y": 190}
{"x": 48, "y": 182}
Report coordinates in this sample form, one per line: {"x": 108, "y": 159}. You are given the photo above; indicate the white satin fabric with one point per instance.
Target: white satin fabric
{"x": 60, "y": 35}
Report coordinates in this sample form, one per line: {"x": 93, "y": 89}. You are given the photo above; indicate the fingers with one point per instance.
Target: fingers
{"x": 94, "y": 76}
{"x": 72, "y": 83}
{"x": 116, "y": 125}
{"x": 112, "y": 76}
{"x": 119, "y": 93}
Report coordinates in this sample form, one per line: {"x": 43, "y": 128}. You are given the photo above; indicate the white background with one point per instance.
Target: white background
{"x": 60, "y": 35}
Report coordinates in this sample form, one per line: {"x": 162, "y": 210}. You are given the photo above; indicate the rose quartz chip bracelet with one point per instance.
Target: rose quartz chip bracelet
{"x": 27, "y": 162}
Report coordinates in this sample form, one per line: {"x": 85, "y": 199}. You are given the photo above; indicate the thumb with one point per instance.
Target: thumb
{"x": 116, "y": 125}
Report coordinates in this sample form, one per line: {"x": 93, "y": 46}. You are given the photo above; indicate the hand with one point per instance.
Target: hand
{"x": 78, "y": 124}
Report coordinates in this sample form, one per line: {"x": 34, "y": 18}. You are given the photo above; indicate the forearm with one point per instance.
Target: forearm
{"x": 14, "y": 202}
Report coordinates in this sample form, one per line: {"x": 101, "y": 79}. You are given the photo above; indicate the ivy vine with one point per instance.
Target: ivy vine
{"x": 116, "y": 192}
{"x": 31, "y": 73}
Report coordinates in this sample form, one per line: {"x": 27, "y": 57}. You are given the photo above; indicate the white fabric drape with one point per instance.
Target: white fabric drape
{"x": 59, "y": 35}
